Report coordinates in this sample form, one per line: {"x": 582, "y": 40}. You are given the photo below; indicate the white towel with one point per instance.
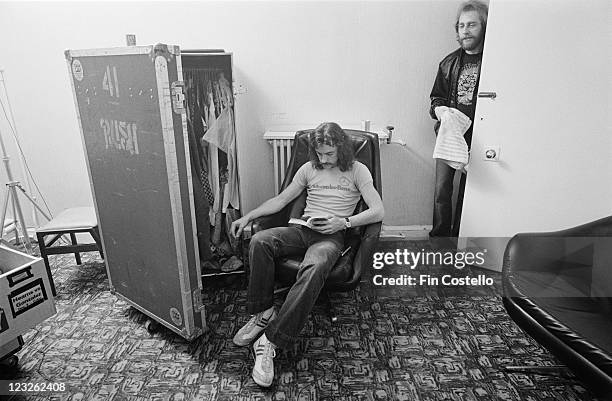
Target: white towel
{"x": 451, "y": 146}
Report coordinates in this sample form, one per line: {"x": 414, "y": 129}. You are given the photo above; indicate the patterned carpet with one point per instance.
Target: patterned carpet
{"x": 388, "y": 344}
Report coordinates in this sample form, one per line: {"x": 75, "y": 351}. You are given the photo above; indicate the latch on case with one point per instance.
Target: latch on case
{"x": 161, "y": 49}
{"x": 197, "y": 300}
{"x": 178, "y": 96}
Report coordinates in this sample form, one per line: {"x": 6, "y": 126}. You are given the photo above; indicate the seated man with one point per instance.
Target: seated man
{"x": 334, "y": 182}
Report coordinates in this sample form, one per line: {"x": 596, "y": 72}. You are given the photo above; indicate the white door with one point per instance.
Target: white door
{"x": 549, "y": 63}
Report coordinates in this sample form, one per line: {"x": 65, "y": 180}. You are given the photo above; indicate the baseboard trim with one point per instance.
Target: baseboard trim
{"x": 407, "y": 228}
{"x": 412, "y": 231}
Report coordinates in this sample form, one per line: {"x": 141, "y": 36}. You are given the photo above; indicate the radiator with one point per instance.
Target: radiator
{"x": 281, "y": 142}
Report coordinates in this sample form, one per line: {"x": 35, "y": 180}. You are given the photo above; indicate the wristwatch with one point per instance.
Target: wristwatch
{"x": 347, "y": 223}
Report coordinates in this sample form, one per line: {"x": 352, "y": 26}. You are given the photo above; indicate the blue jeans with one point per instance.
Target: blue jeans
{"x": 321, "y": 251}
{"x": 443, "y": 223}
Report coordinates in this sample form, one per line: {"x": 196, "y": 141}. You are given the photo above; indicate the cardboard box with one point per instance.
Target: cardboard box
{"x": 25, "y": 293}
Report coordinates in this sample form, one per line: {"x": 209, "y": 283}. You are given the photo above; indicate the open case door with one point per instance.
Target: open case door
{"x": 130, "y": 108}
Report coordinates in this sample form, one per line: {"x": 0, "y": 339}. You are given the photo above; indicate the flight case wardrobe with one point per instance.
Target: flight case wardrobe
{"x": 133, "y": 114}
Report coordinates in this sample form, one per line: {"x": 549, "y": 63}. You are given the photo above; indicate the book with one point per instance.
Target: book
{"x": 310, "y": 222}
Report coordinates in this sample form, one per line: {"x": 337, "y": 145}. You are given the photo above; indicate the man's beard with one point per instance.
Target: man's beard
{"x": 472, "y": 45}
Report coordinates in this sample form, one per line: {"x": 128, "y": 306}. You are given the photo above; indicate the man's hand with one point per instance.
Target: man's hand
{"x": 238, "y": 226}
{"x": 440, "y": 110}
{"x": 332, "y": 225}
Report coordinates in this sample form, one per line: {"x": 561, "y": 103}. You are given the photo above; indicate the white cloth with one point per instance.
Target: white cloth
{"x": 451, "y": 146}
{"x": 222, "y": 135}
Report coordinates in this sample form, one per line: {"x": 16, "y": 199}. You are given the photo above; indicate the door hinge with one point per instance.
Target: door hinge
{"x": 178, "y": 96}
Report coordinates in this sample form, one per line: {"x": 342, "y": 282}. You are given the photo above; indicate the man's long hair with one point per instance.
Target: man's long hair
{"x": 473, "y": 5}
{"x": 331, "y": 134}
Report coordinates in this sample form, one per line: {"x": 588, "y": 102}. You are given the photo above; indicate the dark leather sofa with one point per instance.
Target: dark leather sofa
{"x": 558, "y": 288}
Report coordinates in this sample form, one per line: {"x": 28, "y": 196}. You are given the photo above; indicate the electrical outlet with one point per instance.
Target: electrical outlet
{"x": 491, "y": 153}
{"x": 239, "y": 89}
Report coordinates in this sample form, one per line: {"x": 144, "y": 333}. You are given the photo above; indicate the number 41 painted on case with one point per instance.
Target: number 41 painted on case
{"x": 110, "y": 82}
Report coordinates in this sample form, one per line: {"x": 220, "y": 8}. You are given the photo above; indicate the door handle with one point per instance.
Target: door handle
{"x": 490, "y": 95}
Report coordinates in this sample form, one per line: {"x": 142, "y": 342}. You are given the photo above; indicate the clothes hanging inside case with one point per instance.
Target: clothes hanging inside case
{"x": 201, "y": 203}
{"x": 222, "y": 135}
{"x": 211, "y": 122}
{"x": 198, "y": 127}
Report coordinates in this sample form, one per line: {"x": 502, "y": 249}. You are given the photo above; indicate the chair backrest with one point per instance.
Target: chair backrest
{"x": 367, "y": 151}
{"x": 359, "y": 241}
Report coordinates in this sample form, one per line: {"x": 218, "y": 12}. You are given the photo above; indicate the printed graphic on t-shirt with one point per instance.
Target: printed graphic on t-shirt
{"x": 344, "y": 184}
{"x": 467, "y": 83}
{"x": 331, "y": 191}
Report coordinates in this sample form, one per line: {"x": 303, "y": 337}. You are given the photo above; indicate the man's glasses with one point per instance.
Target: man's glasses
{"x": 469, "y": 25}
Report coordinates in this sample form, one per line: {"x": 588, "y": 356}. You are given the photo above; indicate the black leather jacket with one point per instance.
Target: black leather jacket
{"x": 444, "y": 91}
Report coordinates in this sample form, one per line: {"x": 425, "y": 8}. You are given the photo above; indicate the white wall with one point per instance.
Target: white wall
{"x": 300, "y": 62}
{"x": 550, "y": 63}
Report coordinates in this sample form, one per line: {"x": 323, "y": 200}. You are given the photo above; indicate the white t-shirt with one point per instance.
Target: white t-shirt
{"x": 331, "y": 191}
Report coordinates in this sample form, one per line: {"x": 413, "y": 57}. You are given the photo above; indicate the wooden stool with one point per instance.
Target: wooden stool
{"x": 70, "y": 221}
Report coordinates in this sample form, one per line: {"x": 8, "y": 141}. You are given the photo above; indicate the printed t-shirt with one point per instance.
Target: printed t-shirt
{"x": 331, "y": 191}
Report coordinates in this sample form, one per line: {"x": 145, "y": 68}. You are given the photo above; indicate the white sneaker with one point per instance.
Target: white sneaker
{"x": 254, "y": 327}
{"x": 263, "y": 371}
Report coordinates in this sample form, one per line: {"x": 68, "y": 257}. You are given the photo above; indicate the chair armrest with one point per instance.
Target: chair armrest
{"x": 369, "y": 239}
{"x": 263, "y": 223}
{"x": 372, "y": 230}
{"x": 545, "y": 251}
{"x": 533, "y": 252}
{"x": 537, "y": 263}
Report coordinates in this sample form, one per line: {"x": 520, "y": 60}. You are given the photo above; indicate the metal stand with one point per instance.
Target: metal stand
{"x": 11, "y": 194}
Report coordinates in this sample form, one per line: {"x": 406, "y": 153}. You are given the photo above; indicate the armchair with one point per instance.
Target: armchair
{"x": 359, "y": 241}
{"x": 558, "y": 288}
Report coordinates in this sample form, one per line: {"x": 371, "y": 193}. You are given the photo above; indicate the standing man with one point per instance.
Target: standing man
{"x": 334, "y": 182}
{"x": 456, "y": 86}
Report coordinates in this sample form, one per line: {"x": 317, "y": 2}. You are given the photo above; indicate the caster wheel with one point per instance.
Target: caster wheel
{"x": 10, "y": 362}
{"x": 151, "y": 326}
